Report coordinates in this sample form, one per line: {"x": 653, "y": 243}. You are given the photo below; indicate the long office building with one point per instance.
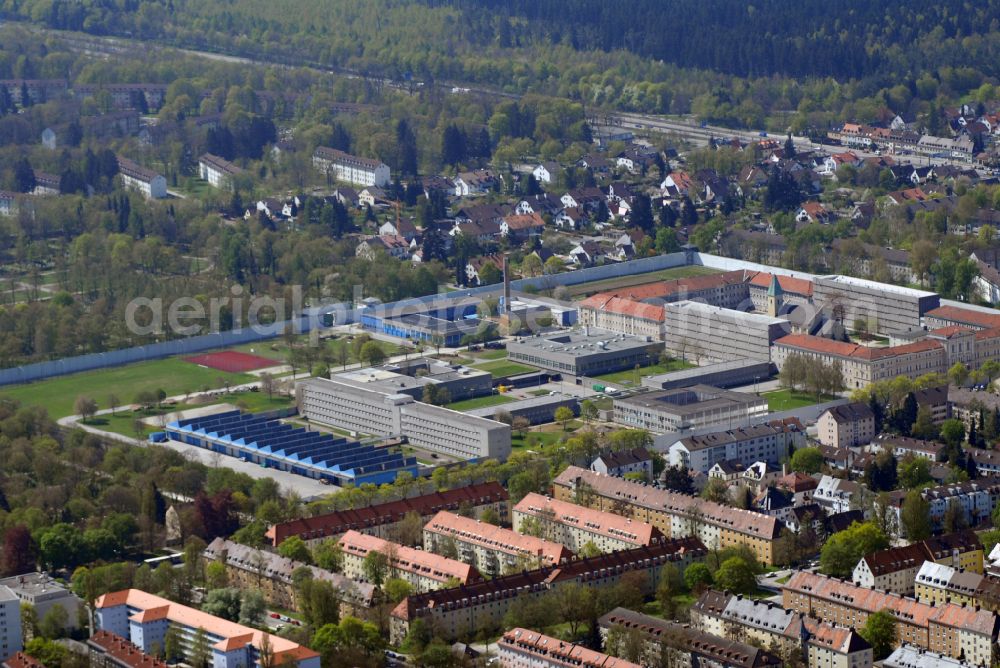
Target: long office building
{"x": 382, "y": 412}
{"x": 692, "y": 407}
{"x": 724, "y": 374}
{"x": 765, "y": 623}
{"x": 584, "y": 352}
{"x": 425, "y": 571}
{"x": 714, "y": 334}
{"x": 383, "y": 519}
{"x": 769, "y": 442}
{"x": 492, "y": 550}
{"x": 521, "y": 648}
{"x": 144, "y": 619}
{"x": 576, "y": 526}
{"x": 457, "y": 612}
{"x": 888, "y": 309}
{"x": 950, "y": 629}
{"x": 676, "y": 515}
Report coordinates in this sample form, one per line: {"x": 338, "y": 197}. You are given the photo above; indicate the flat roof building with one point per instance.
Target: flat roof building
{"x": 412, "y": 376}
{"x": 43, "y": 593}
{"x": 887, "y": 308}
{"x": 586, "y": 352}
{"x": 705, "y": 332}
{"x": 492, "y": 550}
{"x": 688, "y": 408}
{"x": 11, "y": 641}
{"x": 576, "y": 526}
{"x": 722, "y": 374}
{"x": 375, "y": 411}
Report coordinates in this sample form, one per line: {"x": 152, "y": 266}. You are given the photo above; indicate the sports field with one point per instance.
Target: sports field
{"x": 231, "y": 360}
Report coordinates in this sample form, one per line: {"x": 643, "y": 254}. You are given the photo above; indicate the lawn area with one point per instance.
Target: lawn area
{"x": 786, "y": 400}
{"x": 503, "y": 367}
{"x": 480, "y": 402}
{"x": 587, "y": 289}
{"x": 173, "y": 375}
{"x": 277, "y": 349}
{"x": 488, "y": 354}
{"x": 628, "y": 377}
{"x": 535, "y": 440}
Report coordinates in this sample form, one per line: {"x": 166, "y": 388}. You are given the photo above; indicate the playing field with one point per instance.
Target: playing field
{"x": 173, "y": 375}
{"x": 232, "y": 361}
{"x": 503, "y": 368}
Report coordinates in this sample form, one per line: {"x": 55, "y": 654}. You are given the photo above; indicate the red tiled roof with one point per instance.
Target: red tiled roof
{"x": 790, "y": 284}
{"x": 965, "y": 316}
{"x": 623, "y": 306}
{"x": 949, "y": 331}
{"x": 123, "y": 651}
{"x": 824, "y": 346}
{"x": 22, "y": 660}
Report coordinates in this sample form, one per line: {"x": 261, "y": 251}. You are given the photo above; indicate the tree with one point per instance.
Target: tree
{"x": 588, "y": 410}
{"x": 563, "y": 415}
{"x": 19, "y": 551}
{"x": 575, "y": 605}
{"x": 267, "y": 384}
{"x": 329, "y": 555}
{"x": 201, "y": 653}
{"x": 372, "y": 354}
{"x": 954, "y": 517}
{"x": 252, "y": 608}
{"x": 295, "y": 548}
{"x": 880, "y": 632}
{"x": 520, "y": 425}
{"x": 843, "y": 550}
{"x": 113, "y": 402}
{"x": 396, "y": 589}
{"x": 717, "y": 491}
{"x": 223, "y": 603}
{"x": 914, "y": 472}
{"x": 375, "y": 567}
{"x": 952, "y": 431}
{"x": 958, "y": 374}
{"x": 53, "y": 624}
{"x": 678, "y": 479}
{"x": 807, "y": 460}
{"x": 24, "y": 176}
{"x": 914, "y": 516}
{"x": 85, "y": 407}
{"x": 736, "y": 575}
{"x": 698, "y": 577}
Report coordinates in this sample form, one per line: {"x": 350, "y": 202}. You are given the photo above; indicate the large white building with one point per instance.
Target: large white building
{"x": 219, "y": 172}
{"x": 717, "y": 334}
{"x": 146, "y": 181}
{"x": 763, "y": 442}
{"x": 11, "y": 641}
{"x": 887, "y": 309}
{"x": 351, "y": 168}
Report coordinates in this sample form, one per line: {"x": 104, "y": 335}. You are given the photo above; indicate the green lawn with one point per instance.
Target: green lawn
{"x": 785, "y": 400}
{"x": 639, "y": 279}
{"x": 503, "y": 367}
{"x": 535, "y": 440}
{"x": 173, "y": 375}
{"x": 277, "y": 349}
{"x": 628, "y": 377}
{"x": 480, "y": 402}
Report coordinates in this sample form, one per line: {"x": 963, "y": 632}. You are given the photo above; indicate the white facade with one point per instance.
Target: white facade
{"x": 351, "y": 168}
{"x": 835, "y": 494}
{"x": 767, "y": 443}
{"x": 11, "y": 641}
{"x": 153, "y": 188}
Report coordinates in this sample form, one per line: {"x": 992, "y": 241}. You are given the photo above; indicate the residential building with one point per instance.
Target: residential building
{"x": 46, "y": 184}
{"x": 43, "y": 593}
{"x": 769, "y": 442}
{"x": 146, "y": 181}
{"x": 492, "y": 550}
{"x": 383, "y": 519}
{"x": 620, "y": 463}
{"x": 938, "y": 584}
{"x": 474, "y": 183}
{"x": 715, "y": 334}
{"x": 463, "y": 610}
{"x": 975, "y": 499}
{"x": 349, "y": 168}
{"x": 686, "y": 645}
{"x": 219, "y": 172}
{"x": 252, "y": 568}
{"x": 21, "y": 660}
{"x": 818, "y": 642}
{"x": 888, "y": 309}
{"x": 587, "y": 352}
{"x": 692, "y": 407}
{"x": 390, "y": 244}
{"x": 144, "y": 619}
{"x": 577, "y": 526}
{"x": 901, "y": 446}
{"x": 800, "y": 486}
{"x": 425, "y": 571}
{"x": 377, "y": 411}
{"x": 8, "y": 203}
{"x": 846, "y": 425}
{"x": 674, "y": 514}
{"x": 967, "y": 405}
{"x": 11, "y": 641}
{"x": 521, "y": 648}
{"x": 911, "y": 656}
{"x": 108, "y": 650}
{"x": 834, "y": 495}
{"x": 951, "y": 629}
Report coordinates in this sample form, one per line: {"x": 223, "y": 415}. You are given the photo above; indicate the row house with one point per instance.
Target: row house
{"x": 937, "y": 584}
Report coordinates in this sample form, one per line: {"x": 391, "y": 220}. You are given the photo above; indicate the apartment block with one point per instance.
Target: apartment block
{"x": 144, "y": 619}
{"x": 714, "y": 334}
{"x": 975, "y": 499}
{"x": 351, "y": 168}
{"x": 769, "y": 443}
{"x": 425, "y": 571}
{"x": 846, "y": 426}
{"x": 674, "y": 514}
{"x": 108, "y": 650}
{"x": 576, "y": 526}
{"x": 383, "y": 519}
{"x": 43, "y": 593}
{"x": 492, "y": 550}
{"x": 219, "y": 172}
{"x": 11, "y": 641}
{"x": 909, "y": 656}
{"x": 457, "y": 612}
{"x": 951, "y": 629}
{"x": 521, "y": 648}
{"x": 937, "y": 584}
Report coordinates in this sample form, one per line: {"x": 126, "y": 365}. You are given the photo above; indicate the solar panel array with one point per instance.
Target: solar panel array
{"x": 295, "y": 447}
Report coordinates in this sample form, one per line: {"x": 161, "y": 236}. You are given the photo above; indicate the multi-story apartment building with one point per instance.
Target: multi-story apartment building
{"x": 908, "y": 656}
{"x": 835, "y": 494}
{"x": 11, "y": 641}
{"x": 108, "y": 650}
{"x": 144, "y": 619}
{"x": 252, "y": 568}
{"x": 901, "y": 446}
{"x": 692, "y": 407}
{"x": 683, "y": 645}
{"x": 453, "y": 613}
{"x": 888, "y": 309}
{"x": 219, "y": 172}
{"x": 793, "y": 634}
{"x": 951, "y": 629}
{"x": 379, "y": 411}
{"x": 975, "y": 499}
{"x": 968, "y": 405}
{"x": 636, "y": 461}
{"x": 351, "y": 168}
{"x": 426, "y": 571}
{"x": 970, "y": 318}
{"x": 716, "y": 334}
{"x": 576, "y": 526}
{"x": 383, "y": 519}
{"x": 937, "y": 584}
{"x": 895, "y": 569}
{"x": 846, "y": 425}
{"x": 521, "y": 648}
{"x": 492, "y": 550}
{"x": 674, "y": 514}
{"x": 146, "y": 181}
{"x": 769, "y": 442}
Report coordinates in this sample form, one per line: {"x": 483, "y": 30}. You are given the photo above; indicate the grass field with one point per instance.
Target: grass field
{"x": 628, "y": 377}
{"x": 587, "y": 289}
{"x": 785, "y": 400}
{"x": 534, "y": 440}
{"x": 480, "y": 402}
{"x": 173, "y": 375}
{"x": 500, "y": 368}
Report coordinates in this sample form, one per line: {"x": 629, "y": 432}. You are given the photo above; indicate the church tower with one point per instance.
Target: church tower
{"x": 775, "y": 297}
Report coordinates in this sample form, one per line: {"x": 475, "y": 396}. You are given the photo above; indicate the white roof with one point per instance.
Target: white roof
{"x": 875, "y": 285}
